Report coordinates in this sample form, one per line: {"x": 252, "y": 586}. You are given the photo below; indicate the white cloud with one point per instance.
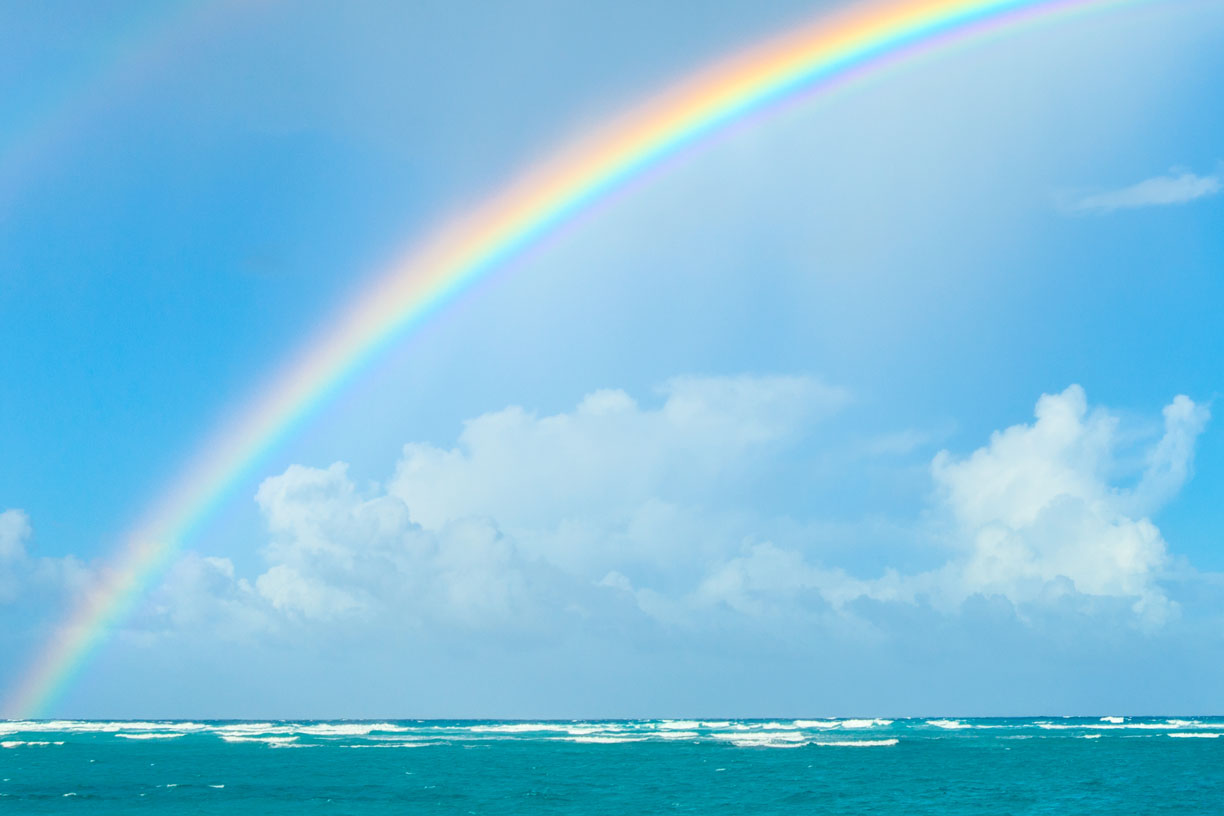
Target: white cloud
{"x": 336, "y": 554}
{"x": 608, "y": 456}
{"x": 526, "y": 512}
{"x": 1035, "y": 517}
{"x": 288, "y": 589}
{"x": 1169, "y": 464}
{"x": 14, "y": 530}
{"x": 615, "y": 512}
{"x": 41, "y": 579}
{"x": 1037, "y": 514}
{"x": 768, "y": 580}
{"x": 1177, "y": 187}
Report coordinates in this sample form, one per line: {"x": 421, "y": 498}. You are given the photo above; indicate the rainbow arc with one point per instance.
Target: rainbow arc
{"x": 812, "y": 59}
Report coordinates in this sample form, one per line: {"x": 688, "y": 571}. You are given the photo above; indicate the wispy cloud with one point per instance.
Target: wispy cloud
{"x": 1176, "y": 187}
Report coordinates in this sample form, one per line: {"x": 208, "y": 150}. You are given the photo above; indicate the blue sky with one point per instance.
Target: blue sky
{"x": 871, "y": 407}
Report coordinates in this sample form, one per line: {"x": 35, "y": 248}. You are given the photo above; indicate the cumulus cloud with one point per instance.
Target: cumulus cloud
{"x": 14, "y": 530}
{"x": 610, "y": 454}
{"x": 616, "y": 514}
{"x": 1169, "y": 464}
{"x": 526, "y": 515}
{"x": 1037, "y": 514}
{"x": 336, "y": 554}
{"x": 1037, "y": 517}
{"x": 24, "y": 576}
{"x": 1177, "y": 187}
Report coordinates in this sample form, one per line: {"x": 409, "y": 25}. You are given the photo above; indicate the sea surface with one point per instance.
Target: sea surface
{"x": 906, "y": 766}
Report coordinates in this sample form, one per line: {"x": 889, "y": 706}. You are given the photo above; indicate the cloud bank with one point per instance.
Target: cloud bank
{"x": 616, "y": 515}
{"x": 633, "y": 539}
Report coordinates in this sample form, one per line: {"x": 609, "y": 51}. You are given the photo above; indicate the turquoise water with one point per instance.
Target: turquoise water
{"x": 917, "y": 766}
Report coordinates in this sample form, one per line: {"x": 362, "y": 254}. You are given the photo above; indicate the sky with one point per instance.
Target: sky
{"x": 896, "y": 401}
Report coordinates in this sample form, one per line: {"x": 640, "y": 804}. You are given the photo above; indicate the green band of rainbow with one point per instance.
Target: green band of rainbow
{"x": 834, "y": 48}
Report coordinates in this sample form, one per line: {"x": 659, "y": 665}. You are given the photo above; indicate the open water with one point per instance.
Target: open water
{"x": 1094, "y": 765}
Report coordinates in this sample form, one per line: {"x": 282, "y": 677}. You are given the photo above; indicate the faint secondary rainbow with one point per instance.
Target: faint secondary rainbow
{"x": 815, "y": 57}
{"x": 131, "y": 57}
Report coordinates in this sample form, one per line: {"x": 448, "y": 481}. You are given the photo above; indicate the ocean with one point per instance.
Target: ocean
{"x": 1052, "y": 765}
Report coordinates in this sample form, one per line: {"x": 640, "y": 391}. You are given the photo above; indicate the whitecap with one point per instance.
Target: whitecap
{"x": 252, "y": 729}
{"x": 583, "y": 730}
{"x": 1102, "y": 726}
{"x": 951, "y": 725}
{"x": 266, "y": 740}
{"x": 20, "y": 743}
{"x": 765, "y": 739}
{"x": 1114, "y": 720}
{"x": 512, "y": 728}
{"x": 98, "y": 726}
{"x": 772, "y": 725}
{"x": 876, "y": 723}
{"x": 345, "y": 729}
{"x": 152, "y": 735}
{"x": 858, "y": 743}
{"x": 679, "y": 725}
{"x": 816, "y": 723}
{"x": 1200, "y": 734}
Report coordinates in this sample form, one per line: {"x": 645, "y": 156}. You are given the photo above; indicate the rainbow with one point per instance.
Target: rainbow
{"x": 834, "y": 48}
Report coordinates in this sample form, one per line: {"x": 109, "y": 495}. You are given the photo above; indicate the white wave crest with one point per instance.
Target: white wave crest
{"x": 1125, "y": 726}
{"x": 265, "y": 740}
{"x": 1199, "y": 734}
{"x": 858, "y": 743}
{"x": 764, "y": 739}
{"x": 950, "y": 725}
{"x": 94, "y": 727}
{"x": 513, "y": 728}
{"x": 34, "y": 743}
{"x": 346, "y": 729}
{"x": 856, "y": 724}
